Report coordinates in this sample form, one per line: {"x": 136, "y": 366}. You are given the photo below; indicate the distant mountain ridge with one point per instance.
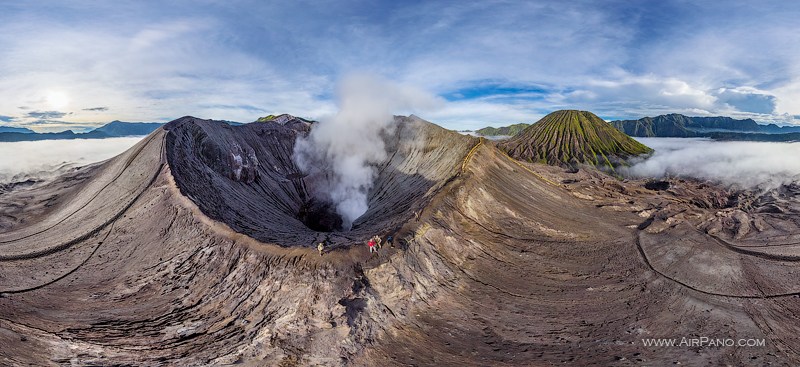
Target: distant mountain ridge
{"x": 680, "y": 126}
{"x": 119, "y": 128}
{"x": 114, "y": 129}
{"x": 510, "y": 130}
{"x": 12, "y": 129}
{"x": 63, "y": 135}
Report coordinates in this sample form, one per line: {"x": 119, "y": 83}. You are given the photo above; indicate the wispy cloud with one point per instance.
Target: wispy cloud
{"x": 240, "y": 107}
{"x": 501, "y": 61}
{"x": 96, "y": 109}
{"x": 46, "y": 115}
{"x": 50, "y": 126}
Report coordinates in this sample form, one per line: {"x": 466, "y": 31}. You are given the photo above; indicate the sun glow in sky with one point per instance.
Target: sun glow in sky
{"x": 57, "y": 100}
{"x": 493, "y": 62}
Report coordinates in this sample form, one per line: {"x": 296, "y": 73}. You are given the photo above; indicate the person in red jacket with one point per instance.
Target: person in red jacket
{"x": 372, "y": 248}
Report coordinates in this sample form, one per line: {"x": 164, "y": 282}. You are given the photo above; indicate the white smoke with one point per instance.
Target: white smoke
{"x": 20, "y": 161}
{"x": 740, "y": 164}
{"x": 346, "y": 146}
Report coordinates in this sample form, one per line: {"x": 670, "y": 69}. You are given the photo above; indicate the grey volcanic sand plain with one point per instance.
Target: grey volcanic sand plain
{"x": 187, "y": 250}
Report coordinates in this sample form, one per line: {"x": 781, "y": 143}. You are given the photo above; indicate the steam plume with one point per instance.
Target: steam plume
{"x": 346, "y": 146}
{"x": 741, "y": 164}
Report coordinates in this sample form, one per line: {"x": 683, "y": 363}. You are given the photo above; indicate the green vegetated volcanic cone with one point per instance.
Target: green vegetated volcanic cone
{"x": 570, "y": 137}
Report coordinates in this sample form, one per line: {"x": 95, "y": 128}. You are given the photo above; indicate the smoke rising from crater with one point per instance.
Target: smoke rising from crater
{"x": 345, "y": 147}
{"x": 742, "y": 164}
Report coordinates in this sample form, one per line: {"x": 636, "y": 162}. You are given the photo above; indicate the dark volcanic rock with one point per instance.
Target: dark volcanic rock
{"x": 657, "y": 185}
{"x": 5, "y": 187}
{"x": 320, "y": 216}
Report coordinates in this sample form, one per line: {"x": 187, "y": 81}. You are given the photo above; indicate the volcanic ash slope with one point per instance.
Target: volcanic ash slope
{"x": 188, "y": 250}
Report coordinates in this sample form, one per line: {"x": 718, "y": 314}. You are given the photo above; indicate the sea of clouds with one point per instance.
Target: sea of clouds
{"x": 41, "y": 159}
{"x": 734, "y": 163}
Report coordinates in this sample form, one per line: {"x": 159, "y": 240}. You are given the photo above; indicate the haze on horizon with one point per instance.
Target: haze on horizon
{"x": 81, "y": 63}
{"x": 45, "y": 159}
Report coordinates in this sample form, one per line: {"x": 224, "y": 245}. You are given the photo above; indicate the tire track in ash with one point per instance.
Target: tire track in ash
{"x": 98, "y": 229}
{"x": 112, "y": 181}
{"x": 40, "y": 286}
{"x": 105, "y": 238}
{"x": 759, "y": 254}
{"x": 683, "y": 284}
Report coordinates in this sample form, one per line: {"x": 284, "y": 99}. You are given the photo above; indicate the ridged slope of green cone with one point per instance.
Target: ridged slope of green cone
{"x": 570, "y": 137}
{"x": 510, "y": 130}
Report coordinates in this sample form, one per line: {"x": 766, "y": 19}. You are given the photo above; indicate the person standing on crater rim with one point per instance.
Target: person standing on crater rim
{"x": 372, "y": 248}
{"x": 320, "y": 248}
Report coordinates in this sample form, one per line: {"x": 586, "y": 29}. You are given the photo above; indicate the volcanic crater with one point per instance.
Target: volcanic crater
{"x": 245, "y": 177}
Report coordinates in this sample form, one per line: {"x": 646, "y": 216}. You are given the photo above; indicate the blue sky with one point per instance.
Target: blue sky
{"x": 78, "y": 63}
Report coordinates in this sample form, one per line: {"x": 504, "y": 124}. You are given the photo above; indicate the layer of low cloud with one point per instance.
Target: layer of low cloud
{"x": 42, "y": 159}
{"x": 742, "y": 164}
